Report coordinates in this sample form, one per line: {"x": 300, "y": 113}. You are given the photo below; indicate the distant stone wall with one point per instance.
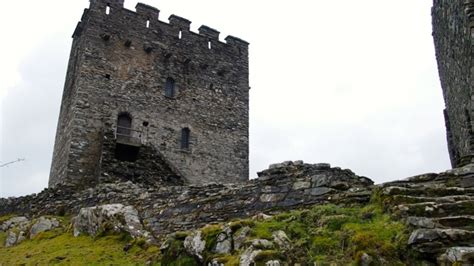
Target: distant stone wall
{"x": 170, "y": 208}
{"x": 453, "y": 34}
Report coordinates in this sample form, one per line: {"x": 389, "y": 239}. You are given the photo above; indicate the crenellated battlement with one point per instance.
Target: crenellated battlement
{"x": 146, "y": 16}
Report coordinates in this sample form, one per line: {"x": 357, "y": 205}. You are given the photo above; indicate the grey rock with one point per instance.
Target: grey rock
{"x": 322, "y": 166}
{"x": 248, "y": 256}
{"x": 43, "y": 224}
{"x": 272, "y": 197}
{"x": 261, "y": 217}
{"x": 420, "y": 222}
{"x": 464, "y": 170}
{"x": 11, "y": 239}
{"x": 463, "y": 255}
{"x": 20, "y": 221}
{"x": 194, "y": 244}
{"x": 318, "y": 191}
{"x": 240, "y": 238}
{"x": 273, "y": 263}
{"x": 224, "y": 241}
{"x": 281, "y": 239}
{"x": 113, "y": 217}
{"x": 21, "y": 237}
{"x": 301, "y": 185}
{"x": 366, "y": 259}
{"x": 215, "y": 263}
{"x": 280, "y": 165}
{"x": 262, "y": 244}
{"x": 432, "y": 241}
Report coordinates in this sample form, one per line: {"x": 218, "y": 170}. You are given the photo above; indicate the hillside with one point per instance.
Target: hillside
{"x": 327, "y": 233}
{"x": 295, "y": 213}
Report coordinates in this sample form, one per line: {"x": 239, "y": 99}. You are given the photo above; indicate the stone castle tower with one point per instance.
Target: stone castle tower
{"x": 145, "y": 98}
{"x": 453, "y": 33}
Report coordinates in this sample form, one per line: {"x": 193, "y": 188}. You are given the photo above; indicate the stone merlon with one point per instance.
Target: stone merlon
{"x": 179, "y": 22}
{"x": 209, "y": 32}
{"x": 147, "y": 11}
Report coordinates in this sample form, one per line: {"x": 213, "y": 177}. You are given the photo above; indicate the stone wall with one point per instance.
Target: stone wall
{"x": 171, "y": 208}
{"x": 120, "y": 63}
{"x": 452, "y": 33}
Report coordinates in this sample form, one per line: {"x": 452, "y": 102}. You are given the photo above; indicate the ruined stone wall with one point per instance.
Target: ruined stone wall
{"x": 452, "y": 33}
{"x": 165, "y": 209}
{"x": 124, "y": 62}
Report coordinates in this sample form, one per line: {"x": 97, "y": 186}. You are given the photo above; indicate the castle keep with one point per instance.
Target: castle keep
{"x": 453, "y": 33}
{"x": 145, "y": 98}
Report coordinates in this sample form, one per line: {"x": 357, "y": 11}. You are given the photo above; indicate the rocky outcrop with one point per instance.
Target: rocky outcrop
{"x": 113, "y": 218}
{"x": 20, "y": 228}
{"x": 440, "y": 210}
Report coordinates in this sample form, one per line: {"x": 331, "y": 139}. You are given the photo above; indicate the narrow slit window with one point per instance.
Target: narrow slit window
{"x": 170, "y": 88}
{"x": 107, "y": 10}
{"x": 209, "y": 45}
{"x": 148, "y": 23}
{"x": 185, "y": 134}
{"x": 180, "y": 34}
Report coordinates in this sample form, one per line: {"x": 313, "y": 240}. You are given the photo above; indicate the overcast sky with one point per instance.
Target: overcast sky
{"x": 351, "y": 83}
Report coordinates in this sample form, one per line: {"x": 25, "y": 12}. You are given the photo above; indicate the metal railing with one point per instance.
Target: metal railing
{"x": 128, "y": 136}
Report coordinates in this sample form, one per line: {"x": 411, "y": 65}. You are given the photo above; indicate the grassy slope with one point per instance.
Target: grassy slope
{"x": 321, "y": 234}
{"x": 62, "y": 248}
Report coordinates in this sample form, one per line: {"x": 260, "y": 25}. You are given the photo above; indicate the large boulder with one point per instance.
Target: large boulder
{"x": 43, "y": 224}
{"x": 114, "y": 218}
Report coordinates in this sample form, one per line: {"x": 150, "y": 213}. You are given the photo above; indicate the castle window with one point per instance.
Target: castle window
{"x": 107, "y": 10}
{"x": 185, "y": 134}
{"x": 180, "y": 34}
{"x": 124, "y": 125}
{"x": 169, "y": 88}
{"x": 209, "y": 45}
{"x": 148, "y": 23}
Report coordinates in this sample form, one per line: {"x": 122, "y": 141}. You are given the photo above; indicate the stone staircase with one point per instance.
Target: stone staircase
{"x": 439, "y": 211}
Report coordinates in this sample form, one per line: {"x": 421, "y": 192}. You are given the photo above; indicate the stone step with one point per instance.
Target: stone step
{"x": 465, "y": 222}
{"x": 433, "y": 209}
{"x": 406, "y": 199}
{"x": 457, "y": 256}
{"x": 437, "y": 241}
{"x": 427, "y": 191}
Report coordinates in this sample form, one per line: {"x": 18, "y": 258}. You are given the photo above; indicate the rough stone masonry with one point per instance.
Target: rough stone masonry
{"x": 140, "y": 91}
{"x": 453, "y": 33}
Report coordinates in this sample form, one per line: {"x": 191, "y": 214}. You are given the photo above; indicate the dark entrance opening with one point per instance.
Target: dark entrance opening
{"x": 128, "y": 142}
{"x": 126, "y": 153}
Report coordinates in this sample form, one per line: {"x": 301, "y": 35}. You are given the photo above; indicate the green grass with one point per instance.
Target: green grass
{"x": 62, "y": 248}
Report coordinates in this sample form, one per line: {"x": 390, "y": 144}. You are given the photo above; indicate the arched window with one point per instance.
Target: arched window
{"x": 124, "y": 124}
{"x": 169, "y": 88}
{"x": 185, "y": 134}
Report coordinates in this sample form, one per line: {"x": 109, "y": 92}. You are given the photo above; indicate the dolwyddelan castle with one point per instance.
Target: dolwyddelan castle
{"x": 145, "y": 98}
